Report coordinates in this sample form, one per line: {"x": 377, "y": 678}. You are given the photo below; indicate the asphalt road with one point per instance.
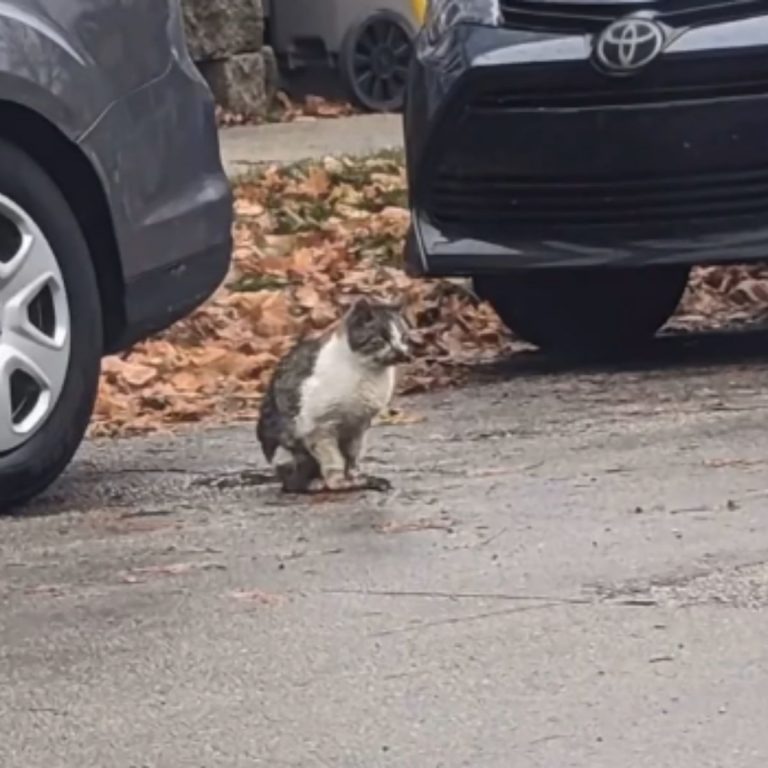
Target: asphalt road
{"x": 572, "y": 571}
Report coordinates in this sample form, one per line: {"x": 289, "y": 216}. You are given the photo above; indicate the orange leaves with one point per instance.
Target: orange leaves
{"x": 317, "y": 183}
{"x": 133, "y": 375}
{"x": 285, "y": 110}
{"x": 265, "y": 313}
{"x": 308, "y": 239}
{"x": 718, "y": 296}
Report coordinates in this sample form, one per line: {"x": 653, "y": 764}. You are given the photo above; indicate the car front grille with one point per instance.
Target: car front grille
{"x": 577, "y": 17}
{"x": 631, "y": 95}
{"x": 560, "y": 17}
{"x": 499, "y": 201}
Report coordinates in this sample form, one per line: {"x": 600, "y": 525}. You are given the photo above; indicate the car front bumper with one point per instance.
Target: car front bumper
{"x": 521, "y": 154}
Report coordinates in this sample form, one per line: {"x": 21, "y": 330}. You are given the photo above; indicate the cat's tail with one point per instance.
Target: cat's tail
{"x": 268, "y": 428}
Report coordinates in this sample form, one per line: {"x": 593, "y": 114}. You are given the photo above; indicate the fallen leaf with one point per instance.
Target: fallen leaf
{"x": 257, "y": 596}
{"x": 411, "y": 526}
{"x": 397, "y": 417}
{"x": 133, "y": 575}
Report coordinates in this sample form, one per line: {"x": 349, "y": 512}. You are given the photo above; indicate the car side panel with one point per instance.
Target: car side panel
{"x": 126, "y": 40}
{"x": 68, "y": 60}
{"x": 43, "y": 69}
{"x": 157, "y": 152}
{"x": 115, "y": 76}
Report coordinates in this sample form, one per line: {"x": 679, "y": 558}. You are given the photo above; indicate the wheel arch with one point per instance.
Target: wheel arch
{"x": 75, "y": 176}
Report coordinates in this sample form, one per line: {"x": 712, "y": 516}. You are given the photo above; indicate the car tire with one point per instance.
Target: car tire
{"x": 373, "y": 61}
{"x": 585, "y": 311}
{"x": 30, "y": 467}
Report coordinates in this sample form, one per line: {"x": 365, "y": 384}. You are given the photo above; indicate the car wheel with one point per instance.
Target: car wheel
{"x": 586, "y": 311}
{"x": 374, "y": 60}
{"x": 50, "y": 330}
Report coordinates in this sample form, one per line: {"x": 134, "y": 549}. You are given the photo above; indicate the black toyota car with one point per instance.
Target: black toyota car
{"x": 576, "y": 159}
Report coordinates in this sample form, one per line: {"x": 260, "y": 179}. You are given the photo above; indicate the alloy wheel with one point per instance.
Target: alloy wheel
{"x": 381, "y": 56}
{"x": 34, "y": 327}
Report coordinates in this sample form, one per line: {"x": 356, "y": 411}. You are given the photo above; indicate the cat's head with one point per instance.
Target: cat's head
{"x": 377, "y": 332}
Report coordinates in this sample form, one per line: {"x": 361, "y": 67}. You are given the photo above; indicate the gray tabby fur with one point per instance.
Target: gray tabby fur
{"x": 324, "y": 395}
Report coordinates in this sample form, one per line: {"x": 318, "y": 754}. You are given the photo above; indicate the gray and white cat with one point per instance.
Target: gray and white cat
{"x": 324, "y": 395}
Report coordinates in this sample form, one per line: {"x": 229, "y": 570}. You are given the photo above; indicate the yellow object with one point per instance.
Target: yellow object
{"x": 419, "y": 9}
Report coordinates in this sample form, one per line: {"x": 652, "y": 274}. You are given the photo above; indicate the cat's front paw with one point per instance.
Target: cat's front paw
{"x": 338, "y": 481}
{"x": 363, "y": 482}
{"x": 317, "y": 486}
{"x": 358, "y": 481}
{"x": 354, "y": 475}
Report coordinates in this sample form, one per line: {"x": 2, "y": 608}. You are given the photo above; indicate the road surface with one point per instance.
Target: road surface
{"x": 571, "y": 571}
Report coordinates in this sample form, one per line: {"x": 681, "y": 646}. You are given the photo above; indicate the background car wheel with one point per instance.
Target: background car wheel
{"x": 374, "y": 60}
{"x": 586, "y": 311}
{"x": 50, "y": 330}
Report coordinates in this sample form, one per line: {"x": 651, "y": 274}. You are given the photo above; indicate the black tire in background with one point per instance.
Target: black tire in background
{"x": 586, "y": 311}
{"x": 33, "y": 466}
{"x": 374, "y": 59}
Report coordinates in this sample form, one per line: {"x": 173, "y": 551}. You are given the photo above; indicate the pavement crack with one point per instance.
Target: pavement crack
{"x": 464, "y": 619}
{"x": 45, "y": 711}
{"x": 545, "y": 739}
{"x": 438, "y": 595}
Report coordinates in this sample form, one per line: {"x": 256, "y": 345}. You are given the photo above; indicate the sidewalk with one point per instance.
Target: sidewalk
{"x": 244, "y": 147}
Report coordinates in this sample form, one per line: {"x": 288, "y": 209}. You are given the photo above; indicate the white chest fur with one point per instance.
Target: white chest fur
{"x": 342, "y": 389}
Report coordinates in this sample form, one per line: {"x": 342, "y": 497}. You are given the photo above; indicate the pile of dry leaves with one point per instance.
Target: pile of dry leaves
{"x": 309, "y": 239}
{"x": 717, "y": 296}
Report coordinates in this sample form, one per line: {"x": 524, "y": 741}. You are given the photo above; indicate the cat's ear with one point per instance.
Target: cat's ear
{"x": 362, "y": 309}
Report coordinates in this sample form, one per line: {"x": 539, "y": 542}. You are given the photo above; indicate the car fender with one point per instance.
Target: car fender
{"x": 45, "y": 70}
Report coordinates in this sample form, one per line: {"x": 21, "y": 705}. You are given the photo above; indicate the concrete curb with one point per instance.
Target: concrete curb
{"x": 244, "y": 147}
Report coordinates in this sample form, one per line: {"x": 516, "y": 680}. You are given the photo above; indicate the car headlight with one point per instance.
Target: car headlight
{"x": 443, "y": 15}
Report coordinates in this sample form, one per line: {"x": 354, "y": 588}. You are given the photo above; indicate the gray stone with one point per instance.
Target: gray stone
{"x": 238, "y": 83}
{"x": 219, "y": 28}
{"x": 271, "y": 74}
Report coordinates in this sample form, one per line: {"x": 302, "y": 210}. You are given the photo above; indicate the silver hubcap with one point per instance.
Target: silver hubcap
{"x": 34, "y": 327}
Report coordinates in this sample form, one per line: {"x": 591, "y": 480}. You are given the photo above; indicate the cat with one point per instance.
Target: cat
{"x": 325, "y": 393}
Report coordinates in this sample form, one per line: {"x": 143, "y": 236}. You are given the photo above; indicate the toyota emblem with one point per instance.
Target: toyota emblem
{"x": 629, "y": 44}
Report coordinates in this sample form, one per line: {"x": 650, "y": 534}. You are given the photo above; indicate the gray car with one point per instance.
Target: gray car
{"x": 115, "y": 213}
